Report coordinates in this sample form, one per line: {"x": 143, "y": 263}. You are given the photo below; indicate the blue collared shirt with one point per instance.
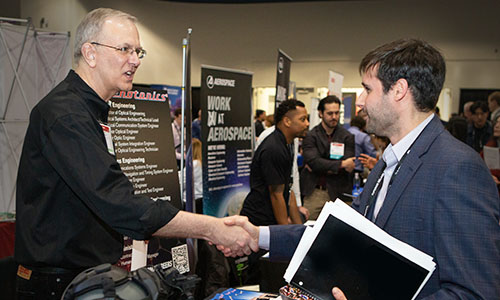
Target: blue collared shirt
{"x": 392, "y": 155}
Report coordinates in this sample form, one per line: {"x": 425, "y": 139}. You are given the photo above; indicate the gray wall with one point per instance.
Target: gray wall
{"x": 318, "y": 35}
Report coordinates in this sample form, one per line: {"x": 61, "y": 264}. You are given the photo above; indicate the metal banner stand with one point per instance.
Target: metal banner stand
{"x": 187, "y": 177}
{"x": 17, "y": 79}
{"x": 186, "y": 104}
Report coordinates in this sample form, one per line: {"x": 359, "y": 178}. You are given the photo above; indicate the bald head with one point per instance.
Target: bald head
{"x": 467, "y": 112}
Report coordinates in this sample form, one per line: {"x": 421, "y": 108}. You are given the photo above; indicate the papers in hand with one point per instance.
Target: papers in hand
{"x": 492, "y": 157}
{"x": 345, "y": 249}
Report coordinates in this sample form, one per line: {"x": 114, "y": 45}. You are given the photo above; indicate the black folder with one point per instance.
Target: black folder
{"x": 362, "y": 267}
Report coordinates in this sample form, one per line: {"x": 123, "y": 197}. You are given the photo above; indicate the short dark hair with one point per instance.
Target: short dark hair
{"x": 417, "y": 61}
{"x": 495, "y": 96}
{"x": 286, "y": 106}
{"x": 359, "y": 122}
{"x": 258, "y": 112}
{"x": 327, "y": 100}
{"x": 457, "y": 126}
{"x": 177, "y": 111}
{"x": 479, "y": 104}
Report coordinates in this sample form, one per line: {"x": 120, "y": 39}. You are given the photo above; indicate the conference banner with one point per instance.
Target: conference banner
{"x": 348, "y": 109}
{"x": 282, "y": 78}
{"x": 140, "y": 125}
{"x": 225, "y": 97}
{"x": 335, "y": 82}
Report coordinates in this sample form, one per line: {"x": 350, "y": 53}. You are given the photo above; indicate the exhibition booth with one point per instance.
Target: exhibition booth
{"x": 140, "y": 134}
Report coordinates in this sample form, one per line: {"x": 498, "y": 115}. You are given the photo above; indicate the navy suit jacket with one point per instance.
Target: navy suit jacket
{"x": 443, "y": 202}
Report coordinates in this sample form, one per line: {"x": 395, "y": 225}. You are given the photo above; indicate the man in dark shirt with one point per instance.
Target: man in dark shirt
{"x": 260, "y": 117}
{"x": 328, "y": 151}
{"x": 270, "y": 200}
{"x": 74, "y": 204}
{"x": 480, "y": 130}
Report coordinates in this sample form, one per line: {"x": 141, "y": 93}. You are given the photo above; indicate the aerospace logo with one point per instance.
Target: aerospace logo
{"x": 281, "y": 65}
{"x": 210, "y": 81}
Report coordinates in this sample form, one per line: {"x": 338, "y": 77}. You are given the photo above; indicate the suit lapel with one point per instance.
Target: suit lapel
{"x": 408, "y": 169}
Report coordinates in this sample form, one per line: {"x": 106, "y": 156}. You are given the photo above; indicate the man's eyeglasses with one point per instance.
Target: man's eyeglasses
{"x": 125, "y": 50}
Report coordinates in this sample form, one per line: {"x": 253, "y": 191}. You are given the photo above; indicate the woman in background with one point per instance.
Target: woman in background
{"x": 494, "y": 142}
{"x": 197, "y": 176}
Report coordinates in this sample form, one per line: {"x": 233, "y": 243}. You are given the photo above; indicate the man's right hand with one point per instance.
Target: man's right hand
{"x": 348, "y": 164}
{"x": 236, "y": 240}
{"x": 240, "y": 222}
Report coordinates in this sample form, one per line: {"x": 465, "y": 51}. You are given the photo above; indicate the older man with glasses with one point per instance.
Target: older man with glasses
{"x": 74, "y": 204}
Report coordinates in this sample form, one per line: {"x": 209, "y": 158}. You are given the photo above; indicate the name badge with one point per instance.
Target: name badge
{"x": 336, "y": 150}
{"x": 109, "y": 141}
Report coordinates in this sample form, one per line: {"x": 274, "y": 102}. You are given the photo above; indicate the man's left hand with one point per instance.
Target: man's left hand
{"x": 304, "y": 211}
{"x": 348, "y": 164}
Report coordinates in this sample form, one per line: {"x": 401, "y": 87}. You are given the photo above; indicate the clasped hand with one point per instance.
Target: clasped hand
{"x": 236, "y": 236}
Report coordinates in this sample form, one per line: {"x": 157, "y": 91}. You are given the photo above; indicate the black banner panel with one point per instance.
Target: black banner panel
{"x": 227, "y": 151}
{"x": 282, "y": 78}
{"x": 143, "y": 142}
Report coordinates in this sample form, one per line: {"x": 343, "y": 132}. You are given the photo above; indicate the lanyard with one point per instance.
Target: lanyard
{"x": 378, "y": 185}
{"x": 177, "y": 128}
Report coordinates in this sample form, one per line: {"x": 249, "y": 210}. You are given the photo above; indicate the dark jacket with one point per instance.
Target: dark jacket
{"x": 316, "y": 152}
{"x": 444, "y": 203}
{"x": 478, "y": 137}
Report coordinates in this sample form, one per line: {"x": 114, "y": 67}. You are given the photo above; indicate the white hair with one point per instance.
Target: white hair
{"x": 90, "y": 27}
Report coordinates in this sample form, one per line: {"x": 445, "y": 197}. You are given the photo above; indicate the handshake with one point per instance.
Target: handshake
{"x": 238, "y": 237}
{"x": 235, "y": 236}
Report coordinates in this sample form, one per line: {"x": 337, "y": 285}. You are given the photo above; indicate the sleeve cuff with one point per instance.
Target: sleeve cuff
{"x": 264, "y": 237}
{"x": 157, "y": 216}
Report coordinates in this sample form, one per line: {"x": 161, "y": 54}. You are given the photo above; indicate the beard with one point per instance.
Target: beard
{"x": 331, "y": 125}
{"x": 382, "y": 120}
